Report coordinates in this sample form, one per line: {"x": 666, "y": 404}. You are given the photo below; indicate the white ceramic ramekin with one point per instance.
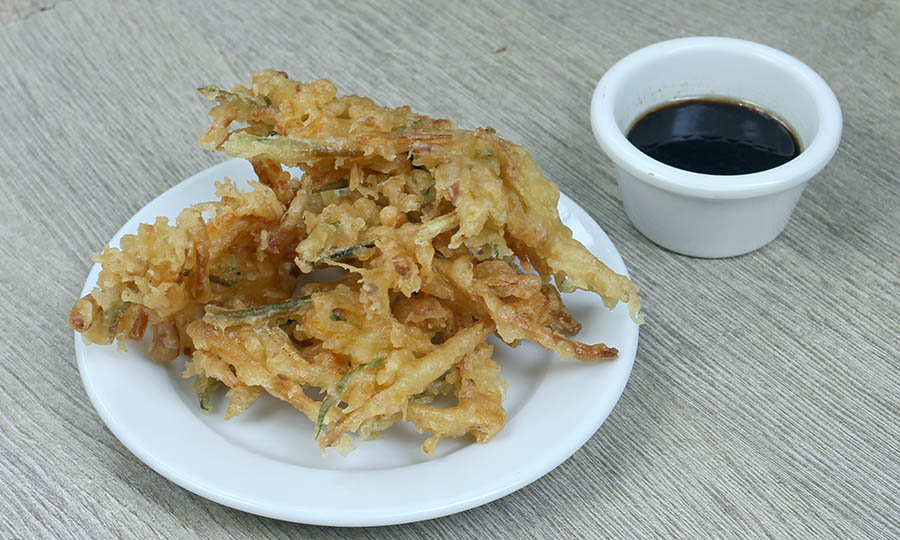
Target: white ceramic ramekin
{"x": 707, "y": 215}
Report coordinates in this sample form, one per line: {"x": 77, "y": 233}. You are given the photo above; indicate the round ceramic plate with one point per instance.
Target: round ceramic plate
{"x": 266, "y": 461}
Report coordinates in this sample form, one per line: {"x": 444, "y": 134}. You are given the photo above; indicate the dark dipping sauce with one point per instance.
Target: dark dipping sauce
{"x": 714, "y": 136}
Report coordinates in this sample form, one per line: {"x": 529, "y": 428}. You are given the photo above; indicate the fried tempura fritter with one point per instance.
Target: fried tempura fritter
{"x": 435, "y": 227}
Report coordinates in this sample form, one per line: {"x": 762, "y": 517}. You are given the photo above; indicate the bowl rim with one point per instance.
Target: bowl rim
{"x": 811, "y": 160}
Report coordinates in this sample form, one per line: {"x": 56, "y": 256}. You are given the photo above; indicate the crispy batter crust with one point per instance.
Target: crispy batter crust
{"x": 431, "y": 227}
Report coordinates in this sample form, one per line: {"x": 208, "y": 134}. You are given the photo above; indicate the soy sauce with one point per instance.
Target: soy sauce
{"x": 714, "y": 136}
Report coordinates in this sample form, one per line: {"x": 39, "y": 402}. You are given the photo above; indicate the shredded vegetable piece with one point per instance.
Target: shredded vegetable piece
{"x": 331, "y": 399}
{"x": 222, "y": 318}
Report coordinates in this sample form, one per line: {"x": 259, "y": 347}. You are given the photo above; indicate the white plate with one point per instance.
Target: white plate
{"x": 266, "y": 461}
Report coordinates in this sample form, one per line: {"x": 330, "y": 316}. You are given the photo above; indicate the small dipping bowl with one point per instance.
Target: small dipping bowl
{"x": 707, "y": 215}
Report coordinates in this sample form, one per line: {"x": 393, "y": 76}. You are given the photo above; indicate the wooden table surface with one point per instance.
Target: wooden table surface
{"x": 764, "y": 397}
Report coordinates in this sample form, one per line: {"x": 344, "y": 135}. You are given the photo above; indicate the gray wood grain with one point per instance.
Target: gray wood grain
{"x": 763, "y": 401}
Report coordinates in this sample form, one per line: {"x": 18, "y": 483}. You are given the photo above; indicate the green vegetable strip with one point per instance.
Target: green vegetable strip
{"x": 205, "y": 386}
{"x": 331, "y": 399}
{"x": 230, "y": 99}
{"x": 115, "y": 315}
{"x": 289, "y": 150}
{"x": 349, "y": 252}
{"x": 222, "y": 319}
{"x": 340, "y": 184}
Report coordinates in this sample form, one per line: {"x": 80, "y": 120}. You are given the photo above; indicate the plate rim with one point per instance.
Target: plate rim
{"x": 493, "y": 490}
